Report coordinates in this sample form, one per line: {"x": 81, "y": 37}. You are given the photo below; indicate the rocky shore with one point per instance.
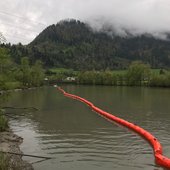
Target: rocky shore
{"x": 9, "y": 143}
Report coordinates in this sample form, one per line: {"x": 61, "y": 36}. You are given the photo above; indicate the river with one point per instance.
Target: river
{"x": 79, "y": 139}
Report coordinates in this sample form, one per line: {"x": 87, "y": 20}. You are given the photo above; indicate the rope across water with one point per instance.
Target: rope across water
{"x": 157, "y": 148}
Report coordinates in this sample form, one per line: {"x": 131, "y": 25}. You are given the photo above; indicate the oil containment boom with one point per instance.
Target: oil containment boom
{"x": 157, "y": 148}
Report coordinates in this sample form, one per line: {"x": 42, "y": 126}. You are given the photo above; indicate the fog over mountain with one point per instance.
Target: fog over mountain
{"x": 23, "y": 20}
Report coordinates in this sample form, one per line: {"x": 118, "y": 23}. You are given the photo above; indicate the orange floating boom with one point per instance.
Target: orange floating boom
{"x": 157, "y": 148}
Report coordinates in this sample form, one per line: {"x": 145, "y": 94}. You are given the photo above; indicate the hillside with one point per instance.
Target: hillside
{"x": 73, "y": 44}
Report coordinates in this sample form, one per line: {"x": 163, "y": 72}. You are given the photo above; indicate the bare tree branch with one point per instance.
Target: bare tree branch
{"x": 2, "y": 38}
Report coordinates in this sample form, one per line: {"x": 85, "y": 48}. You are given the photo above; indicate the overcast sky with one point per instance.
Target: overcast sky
{"x": 22, "y": 20}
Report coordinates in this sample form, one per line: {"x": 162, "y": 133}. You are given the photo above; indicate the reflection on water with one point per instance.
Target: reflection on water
{"x": 77, "y": 138}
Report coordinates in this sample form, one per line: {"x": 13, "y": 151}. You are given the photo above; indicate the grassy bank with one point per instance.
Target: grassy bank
{"x": 9, "y": 143}
{"x": 3, "y": 122}
{"x": 138, "y": 74}
{"x": 3, "y": 127}
{"x": 3, "y": 161}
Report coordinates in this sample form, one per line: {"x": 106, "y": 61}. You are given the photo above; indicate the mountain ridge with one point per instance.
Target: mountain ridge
{"x": 74, "y": 44}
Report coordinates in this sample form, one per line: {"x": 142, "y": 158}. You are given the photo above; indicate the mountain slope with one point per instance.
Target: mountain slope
{"x": 73, "y": 44}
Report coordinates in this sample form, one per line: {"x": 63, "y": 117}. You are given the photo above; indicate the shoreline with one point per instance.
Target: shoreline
{"x": 15, "y": 90}
{"x": 10, "y": 152}
{"x": 10, "y": 142}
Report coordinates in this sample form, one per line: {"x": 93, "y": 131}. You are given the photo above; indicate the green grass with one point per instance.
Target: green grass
{"x": 120, "y": 72}
{"x": 59, "y": 70}
{"x": 64, "y": 71}
{"x": 3, "y": 162}
{"x": 3, "y": 122}
{"x": 155, "y": 71}
{"x": 12, "y": 85}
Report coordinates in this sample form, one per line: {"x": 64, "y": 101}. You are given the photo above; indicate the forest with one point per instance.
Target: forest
{"x": 23, "y": 75}
{"x": 74, "y": 45}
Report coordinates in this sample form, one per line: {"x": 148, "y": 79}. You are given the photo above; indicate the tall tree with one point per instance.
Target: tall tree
{"x": 4, "y": 60}
{"x": 37, "y": 74}
{"x": 25, "y": 70}
{"x": 5, "y": 63}
{"x": 137, "y": 73}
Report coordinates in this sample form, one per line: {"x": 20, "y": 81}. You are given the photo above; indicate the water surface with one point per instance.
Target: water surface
{"x": 79, "y": 139}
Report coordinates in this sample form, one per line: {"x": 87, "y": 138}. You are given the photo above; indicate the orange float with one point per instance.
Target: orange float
{"x": 157, "y": 148}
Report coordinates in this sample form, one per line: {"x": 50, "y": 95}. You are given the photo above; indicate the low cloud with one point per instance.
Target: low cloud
{"x": 124, "y": 17}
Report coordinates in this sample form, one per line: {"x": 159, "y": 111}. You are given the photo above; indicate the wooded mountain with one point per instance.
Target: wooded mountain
{"x": 73, "y": 44}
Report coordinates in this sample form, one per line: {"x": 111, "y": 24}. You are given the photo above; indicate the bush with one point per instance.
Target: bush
{"x": 162, "y": 80}
{"x": 138, "y": 73}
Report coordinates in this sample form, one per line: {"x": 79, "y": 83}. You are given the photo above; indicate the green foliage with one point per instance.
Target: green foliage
{"x": 12, "y": 85}
{"x": 60, "y": 74}
{"x": 4, "y": 165}
{"x": 2, "y": 82}
{"x": 25, "y": 72}
{"x": 161, "y": 80}
{"x": 98, "y": 78}
{"x": 108, "y": 78}
{"x": 74, "y": 45}
{"x": 16, "y": 76}
{"x": 37, "y": 74}
{"x": 5, "y": 68}
{"x": 87, "y": 77}
{"x": 3, "y": 122}
{"x": 30, "y": 75}
{"x": 4, "y": 60}
{"x": 64, "y": 71}
{"x": 137, "y": 73}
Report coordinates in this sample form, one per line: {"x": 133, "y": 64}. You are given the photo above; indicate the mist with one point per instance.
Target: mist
{"x": 122, "y": 17}
{"x": 125, "y": 17}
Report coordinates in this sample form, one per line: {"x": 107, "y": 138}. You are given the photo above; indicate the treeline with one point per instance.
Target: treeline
{"x": 138, "y": 74}
{"x": 22, "y": 75}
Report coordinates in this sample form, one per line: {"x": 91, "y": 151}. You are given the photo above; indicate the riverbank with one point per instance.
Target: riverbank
{"x": 16, "y": 89}
{"x": 10, "y": 153}
{"x": 9, "y": 143}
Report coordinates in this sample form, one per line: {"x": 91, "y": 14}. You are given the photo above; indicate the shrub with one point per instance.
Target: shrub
{"x": 162, "y": 80}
